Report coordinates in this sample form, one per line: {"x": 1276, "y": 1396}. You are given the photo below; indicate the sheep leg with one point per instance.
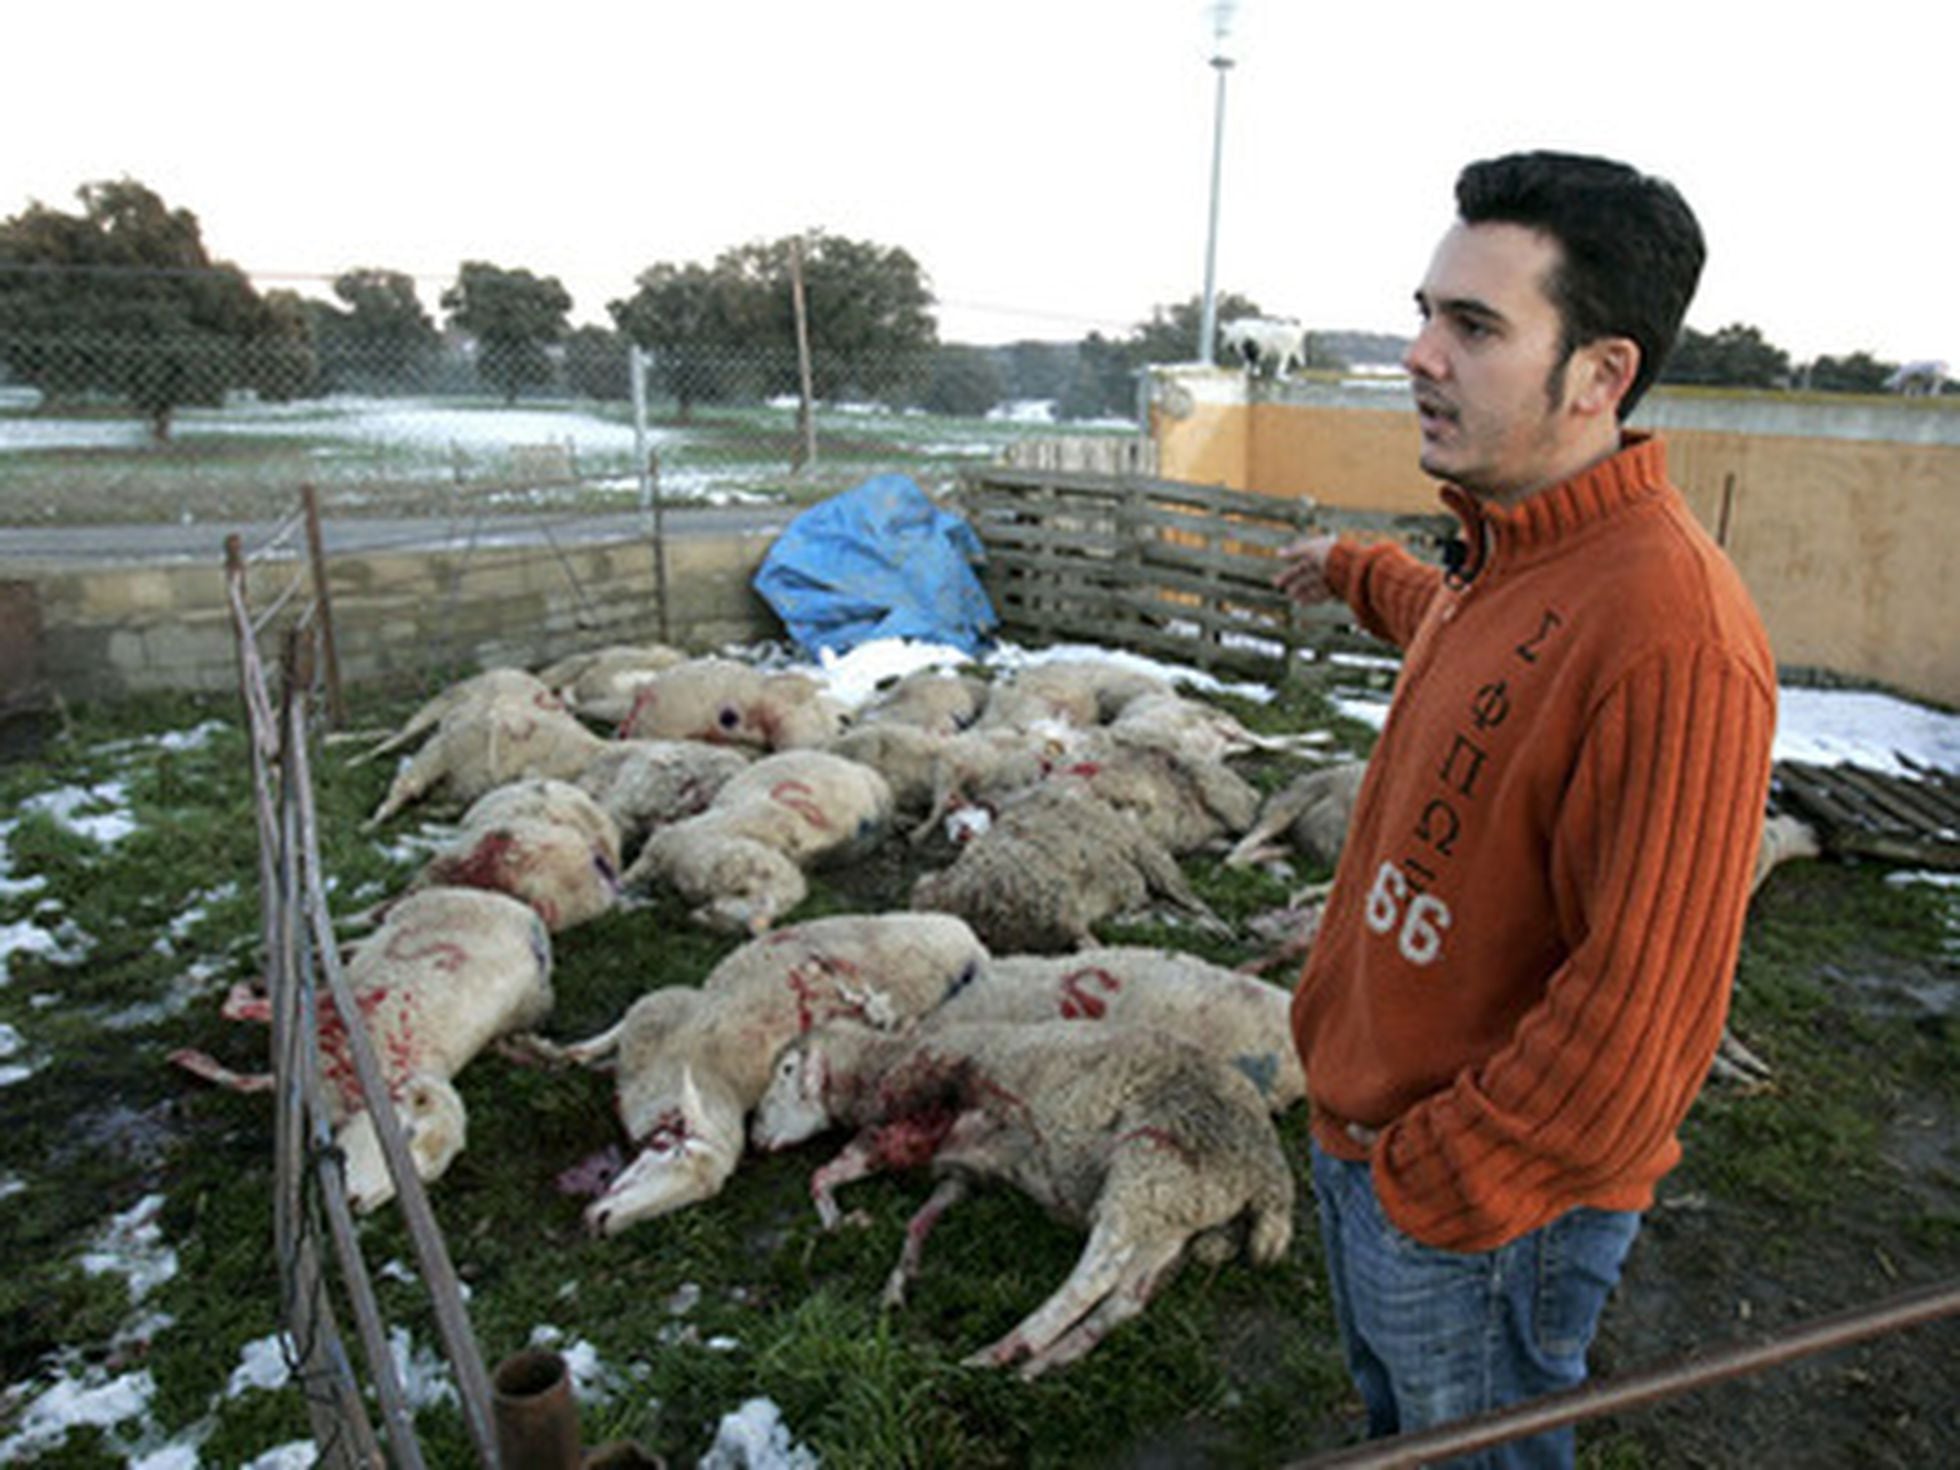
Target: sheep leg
{"x": 1104, "y": 1261}
{"x": 949, "y": 1193}
{"x": 414, "y": 780}
{"x": 1126, "y": 1299}
{"x": 595, "y": 1052}
{"x": 859, "y": 1160}
{"x": 203, "y": 1064}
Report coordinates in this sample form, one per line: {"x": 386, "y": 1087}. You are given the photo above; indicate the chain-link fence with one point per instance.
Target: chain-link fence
{"x": 98, "y": 427}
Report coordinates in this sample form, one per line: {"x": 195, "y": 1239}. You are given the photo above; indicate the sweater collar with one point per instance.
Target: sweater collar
{"x": 1636, "y": 472}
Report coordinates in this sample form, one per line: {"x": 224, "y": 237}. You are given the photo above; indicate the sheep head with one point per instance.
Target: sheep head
{"x": 796, "y": 1106}
{"x": 686, "y": 1154}
{"x": 434, "y": 1125}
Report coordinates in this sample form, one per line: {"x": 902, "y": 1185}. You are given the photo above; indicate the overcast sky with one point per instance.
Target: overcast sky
{"x": 1046, "y": 161}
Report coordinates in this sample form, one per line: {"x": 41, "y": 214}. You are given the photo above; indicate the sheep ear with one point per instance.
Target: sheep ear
{"x": 691, "y": 1108}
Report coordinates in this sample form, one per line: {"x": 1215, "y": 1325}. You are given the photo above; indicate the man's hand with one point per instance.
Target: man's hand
{"x": 1304, "y": 575}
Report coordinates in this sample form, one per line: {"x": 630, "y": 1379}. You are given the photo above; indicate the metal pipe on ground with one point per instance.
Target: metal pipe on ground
{"x": 1553, "y": 1411}
{"x": 537, "y": 1420}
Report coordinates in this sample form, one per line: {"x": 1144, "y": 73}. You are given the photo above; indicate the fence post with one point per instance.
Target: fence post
{"x": 806, "y": 413}
{"x": 323, "y": 599}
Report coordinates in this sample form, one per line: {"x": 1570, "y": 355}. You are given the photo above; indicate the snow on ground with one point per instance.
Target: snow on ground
{"x": 425, "y": 423}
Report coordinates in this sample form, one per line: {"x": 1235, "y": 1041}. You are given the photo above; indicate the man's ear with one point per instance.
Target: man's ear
{"x": 1607, "y": 369}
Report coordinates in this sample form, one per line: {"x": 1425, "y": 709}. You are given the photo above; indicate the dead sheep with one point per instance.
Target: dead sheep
{"x": 544, "y": 842}
{"x": 727, "y": 702}
{"x": 1184, "y": 802}
{"x": 478, "y": 747}
{"x": 492, "y": 686}
{"x": 690, "y": 1063}
{"x": 1057, "y": 861}
{"x": 1311, "y": 813}
{"x": 1235, "y": 1017}
{"x": 644, "y": 784}
{"x": 1199, "y": 731}
{"x": 602, "y": 684}
{"x": 741, "y": 860}
{"x": 449, "y": 971}
{"x": 932, "y": 774}
{"x": 1784, "y": 838}
{"x": 939, "y": 701}
{"x": 1079, "y": 692}
{"x": 1154, "y": 1146}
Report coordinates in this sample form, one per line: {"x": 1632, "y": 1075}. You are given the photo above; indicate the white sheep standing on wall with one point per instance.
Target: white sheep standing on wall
{"x": 1269, "y": 346}
{"x": 1152, "y": 1143}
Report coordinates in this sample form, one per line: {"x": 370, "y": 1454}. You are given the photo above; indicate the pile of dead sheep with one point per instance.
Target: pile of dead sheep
{"x": 974, "y": 1032}
{"x": 971, "y": 1032}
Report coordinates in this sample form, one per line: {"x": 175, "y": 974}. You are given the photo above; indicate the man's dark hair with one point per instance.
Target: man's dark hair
{"x": 1631, "y": 249}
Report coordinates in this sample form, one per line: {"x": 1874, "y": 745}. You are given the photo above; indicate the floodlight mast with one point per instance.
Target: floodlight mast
{"x": 1221, "y": 63}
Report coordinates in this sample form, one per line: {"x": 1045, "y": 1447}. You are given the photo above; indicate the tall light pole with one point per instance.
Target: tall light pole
{"x": 1221, "y": 62}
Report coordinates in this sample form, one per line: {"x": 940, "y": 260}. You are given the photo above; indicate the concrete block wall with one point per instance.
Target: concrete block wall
{"x": 110, "y": 631}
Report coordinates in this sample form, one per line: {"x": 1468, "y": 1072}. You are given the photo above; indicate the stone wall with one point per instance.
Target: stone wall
{"x": 109, "y": 631}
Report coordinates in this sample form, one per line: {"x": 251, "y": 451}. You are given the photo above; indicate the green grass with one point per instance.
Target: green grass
{"x": 745, "y": 1295}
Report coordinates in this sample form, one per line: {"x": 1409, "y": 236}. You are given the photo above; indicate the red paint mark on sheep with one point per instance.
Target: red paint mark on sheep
{"x": 489, "y": 864}
{"x": 629, "y": 727}
{"x": 445, "y": 955}
{"x": 799, "y": 798}
{"x": 815, "y": 984}
{"x": 337, "y": 1058}
{"x": 1076, "y": 1003}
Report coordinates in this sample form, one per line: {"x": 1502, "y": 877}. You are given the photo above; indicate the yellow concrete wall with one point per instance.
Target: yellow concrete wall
{"x": 1847, "y": 543}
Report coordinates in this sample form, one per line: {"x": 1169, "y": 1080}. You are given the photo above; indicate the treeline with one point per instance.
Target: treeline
{"x": 1739, "y": 356}
{"x": 122, "y": 299}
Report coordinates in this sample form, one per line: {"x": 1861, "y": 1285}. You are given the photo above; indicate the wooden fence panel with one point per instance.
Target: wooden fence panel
{"x": 1163, "y": 566}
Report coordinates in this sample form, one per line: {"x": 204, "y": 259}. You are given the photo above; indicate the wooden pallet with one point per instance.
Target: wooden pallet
{"x": 1903, "y": 819}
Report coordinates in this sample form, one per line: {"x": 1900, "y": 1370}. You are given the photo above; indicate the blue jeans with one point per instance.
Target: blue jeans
{"x": 1433, "y": 1335}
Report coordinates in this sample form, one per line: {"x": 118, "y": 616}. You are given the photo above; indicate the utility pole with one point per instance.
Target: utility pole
{"x": 1221, "y": 62}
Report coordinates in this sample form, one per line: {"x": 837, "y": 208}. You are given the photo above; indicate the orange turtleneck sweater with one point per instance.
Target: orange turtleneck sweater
{"x": 1523, "y": 969}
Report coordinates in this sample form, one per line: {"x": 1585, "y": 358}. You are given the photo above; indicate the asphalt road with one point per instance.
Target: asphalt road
{"x": 165, "y": 542}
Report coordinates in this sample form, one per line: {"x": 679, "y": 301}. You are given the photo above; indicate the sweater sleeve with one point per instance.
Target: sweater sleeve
{"x": 1387, "y": 588}
{"x": 1651, "y": 862}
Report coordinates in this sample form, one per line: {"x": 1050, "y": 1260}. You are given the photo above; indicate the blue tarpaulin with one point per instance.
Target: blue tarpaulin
{"x": 878, "y": 561}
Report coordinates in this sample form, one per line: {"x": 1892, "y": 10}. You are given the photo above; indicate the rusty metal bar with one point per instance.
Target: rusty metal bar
{"x": 1554, "y": 1411}
{"x": 323, "y": 599}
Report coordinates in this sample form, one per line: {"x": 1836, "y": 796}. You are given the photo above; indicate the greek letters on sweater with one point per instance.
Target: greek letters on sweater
{"x": 1523, "y": 969}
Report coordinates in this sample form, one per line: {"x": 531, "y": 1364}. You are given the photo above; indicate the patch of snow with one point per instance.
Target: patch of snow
{"x": 66, "y": 944}
{"x": 298, "y": 1454}
{"x": 592, "y": 1381}
{"x": 75, "y": 808}
{"x": 1875, "y": 731}
{"x": 71, "y": 1403}
{"x": 132, "y": 1245}
{"x": 423, "y": 1372}
{"x": 262, "y": 1363}
{"x": 171, "y": 1457}
{"x": 754, "y": 1437}
{"x": 11, "y": 1043}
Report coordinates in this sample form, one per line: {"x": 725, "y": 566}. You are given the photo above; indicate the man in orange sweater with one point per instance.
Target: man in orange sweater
{"x": 1523, "y": 969}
